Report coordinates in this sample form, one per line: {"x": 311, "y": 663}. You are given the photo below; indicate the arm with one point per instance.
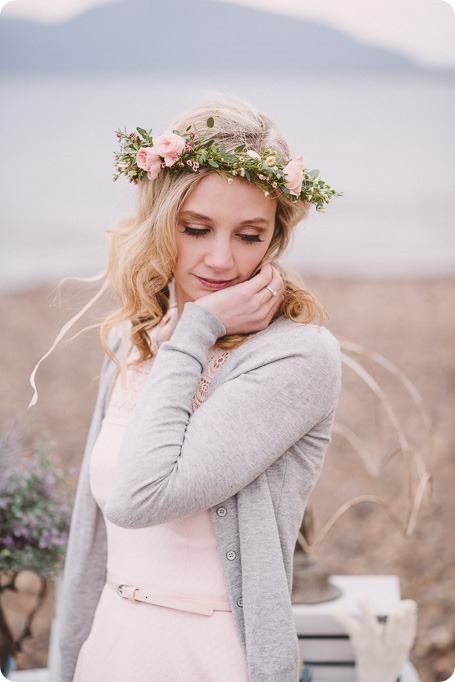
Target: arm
{"x": 173, "y": 463}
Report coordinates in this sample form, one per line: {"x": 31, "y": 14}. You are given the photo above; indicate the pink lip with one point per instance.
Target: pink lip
{"x": 214, "y": 283}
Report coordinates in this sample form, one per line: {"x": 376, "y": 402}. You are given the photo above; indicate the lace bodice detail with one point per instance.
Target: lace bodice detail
{"x": 124, "y": 395}
{"x": 217, "y": 357}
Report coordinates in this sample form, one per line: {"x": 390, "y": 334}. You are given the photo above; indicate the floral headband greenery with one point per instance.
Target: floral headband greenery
{"x": 142, "y": 156}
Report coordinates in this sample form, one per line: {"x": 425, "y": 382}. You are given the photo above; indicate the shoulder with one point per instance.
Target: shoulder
{"x": 298, "y": 341}
{"x": 299, "y": 361}
{"x": 303, "y": 338}
{"x": 294, "y": 358}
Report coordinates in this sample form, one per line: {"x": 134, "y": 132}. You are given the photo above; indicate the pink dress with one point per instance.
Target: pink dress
{"x": 145, "y": 642}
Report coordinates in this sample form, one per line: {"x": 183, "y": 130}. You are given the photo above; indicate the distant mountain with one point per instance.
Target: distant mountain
{"x": 183, "y": 35}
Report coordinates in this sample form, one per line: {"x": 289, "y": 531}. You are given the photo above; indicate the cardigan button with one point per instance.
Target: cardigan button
{"x": 221, "y": 511}
{"x": 240, "y": 602}
{"x": 231, "y": 555}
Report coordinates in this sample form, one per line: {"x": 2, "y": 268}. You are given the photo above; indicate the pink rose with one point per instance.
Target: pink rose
{"x": 148, "y": 160}
{"x": 294, "y": 175}
{"x": 170, "y": 146}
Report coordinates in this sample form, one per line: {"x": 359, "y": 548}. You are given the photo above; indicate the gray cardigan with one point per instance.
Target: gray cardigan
{"x": 251, "y": 454}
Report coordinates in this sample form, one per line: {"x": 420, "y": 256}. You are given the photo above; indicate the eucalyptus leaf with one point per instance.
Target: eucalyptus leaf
{"x": 210, "y": 122}
{"x": 313, "y": 173}
{"x": 213, "y": 163}
{"x": 240, "y": 148}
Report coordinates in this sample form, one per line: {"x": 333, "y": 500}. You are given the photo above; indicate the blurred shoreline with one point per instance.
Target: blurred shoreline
{"x": 408, "y": 320}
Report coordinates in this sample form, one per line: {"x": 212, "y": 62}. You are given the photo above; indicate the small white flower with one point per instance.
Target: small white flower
{"x": 230, "y": 181}
{"x": 242, "y": 172}
{"x": 266, "y": 194}
{"x": 274, "y": 184}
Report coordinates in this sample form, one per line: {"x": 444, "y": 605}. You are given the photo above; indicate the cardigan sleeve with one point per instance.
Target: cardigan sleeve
{"x": 173, "y": 463}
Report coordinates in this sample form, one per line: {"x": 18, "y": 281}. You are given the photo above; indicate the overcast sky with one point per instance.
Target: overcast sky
{"x": 422, "y": 29}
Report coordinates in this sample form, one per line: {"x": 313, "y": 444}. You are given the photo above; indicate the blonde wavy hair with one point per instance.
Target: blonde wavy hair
{"x": 142, "y": 249}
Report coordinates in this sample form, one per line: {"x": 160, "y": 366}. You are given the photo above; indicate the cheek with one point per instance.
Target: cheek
{"x": 188, "y": 251}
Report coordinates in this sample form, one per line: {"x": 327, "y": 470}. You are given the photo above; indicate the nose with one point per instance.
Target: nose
{"x": 219, "y": 254}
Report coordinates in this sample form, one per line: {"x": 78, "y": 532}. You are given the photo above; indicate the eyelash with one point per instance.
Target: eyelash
{"x": 247, "y": 238}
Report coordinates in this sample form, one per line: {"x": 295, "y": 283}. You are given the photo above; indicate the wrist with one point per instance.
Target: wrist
{"x": 196, "y": 323}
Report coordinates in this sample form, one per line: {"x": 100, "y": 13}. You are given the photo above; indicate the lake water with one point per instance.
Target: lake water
{"x": 386, "y": 141}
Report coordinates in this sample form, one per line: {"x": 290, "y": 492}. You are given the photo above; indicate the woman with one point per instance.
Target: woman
{"x": 205, "y": 446}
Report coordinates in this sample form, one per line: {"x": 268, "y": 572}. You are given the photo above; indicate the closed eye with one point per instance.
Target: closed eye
{"x": 250, "y": 238}
{"x": 194, "y": 232}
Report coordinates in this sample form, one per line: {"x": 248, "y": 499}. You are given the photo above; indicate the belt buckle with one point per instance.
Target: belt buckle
{"x": 119, "y": 590}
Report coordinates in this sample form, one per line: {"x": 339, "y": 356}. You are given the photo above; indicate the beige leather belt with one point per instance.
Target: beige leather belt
{"x": 203, "y": 606}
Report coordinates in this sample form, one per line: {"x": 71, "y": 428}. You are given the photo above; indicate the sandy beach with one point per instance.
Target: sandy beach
{"x": 409, "y": 321}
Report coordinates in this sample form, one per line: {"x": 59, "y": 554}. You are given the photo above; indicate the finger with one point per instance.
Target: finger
{"x": 274, "y": 289}
{"x": 260, "y": 280}
{"x": 269, "y": 301}
{"x": 277, "y": 282}
{"x": 267, "y": 295}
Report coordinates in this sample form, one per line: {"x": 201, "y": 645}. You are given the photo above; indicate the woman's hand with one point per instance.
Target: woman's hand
{"x": 249, "y": 306}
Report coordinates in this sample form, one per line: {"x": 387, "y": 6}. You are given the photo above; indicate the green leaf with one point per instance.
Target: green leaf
{"x": 222, "y": 148}
{"x": 213, "y": 163}
{"x": 240, "y": 148}
{"x": 210, "y": 122}
{"x": 143, "y": 133}
{"x": 313, "y": 173}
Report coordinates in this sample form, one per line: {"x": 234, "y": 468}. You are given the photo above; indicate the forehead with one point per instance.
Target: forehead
{"x": 215, "y": 197}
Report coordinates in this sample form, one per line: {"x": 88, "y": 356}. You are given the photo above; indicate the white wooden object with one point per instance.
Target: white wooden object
{"x": 383, "y": 592}
{"x": 324, "y": 643}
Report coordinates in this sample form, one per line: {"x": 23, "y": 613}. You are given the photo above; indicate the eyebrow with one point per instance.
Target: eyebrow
{"x": 199, "y": 216}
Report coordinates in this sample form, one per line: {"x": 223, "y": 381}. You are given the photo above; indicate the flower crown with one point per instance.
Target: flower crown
{"x": 142, "y": 156}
